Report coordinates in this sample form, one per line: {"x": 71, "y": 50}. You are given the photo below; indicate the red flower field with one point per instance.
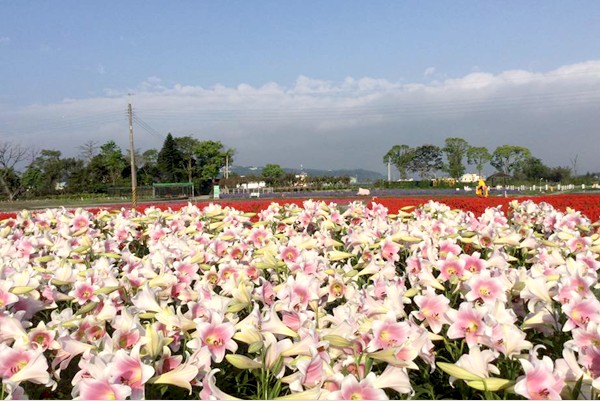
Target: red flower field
{"x": 589, "y": 205}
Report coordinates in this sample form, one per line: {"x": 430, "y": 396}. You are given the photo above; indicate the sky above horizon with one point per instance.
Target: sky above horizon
{"x": 322, "y": 84}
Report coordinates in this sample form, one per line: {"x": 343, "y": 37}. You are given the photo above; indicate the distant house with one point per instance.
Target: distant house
{"x": 252, "y": 185}
{"x": 443, "y": 180}
{"x": 469, "y": 178}
{"x": 498, "y": 179}
{"x": 300, "y": 180}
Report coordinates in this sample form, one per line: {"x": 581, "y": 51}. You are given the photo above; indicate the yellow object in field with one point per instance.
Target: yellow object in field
{"x": 482, "y": 189}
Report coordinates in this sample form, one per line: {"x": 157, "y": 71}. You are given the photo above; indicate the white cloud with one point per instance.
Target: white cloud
{"x": 350, "y": 123}
{"x": 429, "y": 71}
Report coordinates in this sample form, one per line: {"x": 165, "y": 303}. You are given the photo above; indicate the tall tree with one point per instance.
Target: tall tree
{"x": 114, "y": 161}
{"x": 186, "y": 145}
{"x": 211, "y": 156}
{"x": 11, "y": 155}
{"x": 45, "y": 172}
{"x": 455, "y": 150}
{"x": 478, "y": 156}
{"x": 400, "y": 156}
{"x": 169, "y": 160}
{"x": 273, "y": 172}
{"x": 88, "y": 151}
{"x": 534, "y": 169}
{"x": 149, "y": 171}
{"x": 558, "y": 174}
{"x": 426, "y": 160}
{"x": 76, "y": 173}
{"x": 508, "y": 158}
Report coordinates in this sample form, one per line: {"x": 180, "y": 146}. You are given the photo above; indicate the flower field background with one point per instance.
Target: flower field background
{"x": 320, "y": 299}
{"x": 589, "y": 205}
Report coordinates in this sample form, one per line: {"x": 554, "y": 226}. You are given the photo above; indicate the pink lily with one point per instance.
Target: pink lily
{"x": 540, "y": 382}
{"x": 210, "y": 391}
{"x": 581, "y": 312}
{"x": 432, "y": 309}
{"x": 388, "y": 333}
{"x": 452, "y": 266}
{"x": 352, "y": 389}
{"x": 6, "y": 297}
{"x": 217, "y": 336}
{"x": 129, "y": 370}
{"x": 486, "y": 288}
{"x": 17, "y": 365}
{"x": 467, "y": 323}
{"x": 94, "y": 389}
{"x": 42, "y": 337}
{"x": 389, "y": 250}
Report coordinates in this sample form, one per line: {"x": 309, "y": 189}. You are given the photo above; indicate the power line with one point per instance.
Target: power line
{"x": 146, "y": 127}
{"x": 427, "y": 107}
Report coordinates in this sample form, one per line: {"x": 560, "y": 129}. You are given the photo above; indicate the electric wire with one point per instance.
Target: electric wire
{"x": 397, "y": 102}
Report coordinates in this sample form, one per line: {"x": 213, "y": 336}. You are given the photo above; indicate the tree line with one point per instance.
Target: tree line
{"x": 276, "y": 177}
{"x": 98, "y": 167}
{"x": 427, "y": 160}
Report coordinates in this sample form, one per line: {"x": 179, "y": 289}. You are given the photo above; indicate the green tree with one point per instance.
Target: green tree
{"x": 426, "y": 160}
{"x": 558, "y": 174}
{"x": 12, "y": 155}
{"x": 273, "y": 172}
{"x": 170, "y": 161}
{"x": 77, "y": 175}
{"x": 44, "y": 172}
{"x": 33, "y": 180}
{"x": 400, "y": 156}
{"x": 534, "y": 169}
{"x": 211, "y": 157}
{"x": 48, "y": 170}
{"x": 98, "y": 176}
{"x": 149, "y": 171}
{"x": 508, "y": 159}
{"x": 185, "y": 146}
{"x": 455, "y": 150}
{"x": 88, "y": 151}
{"x": 113, "y": 160}
{"x": 478, "y": 156}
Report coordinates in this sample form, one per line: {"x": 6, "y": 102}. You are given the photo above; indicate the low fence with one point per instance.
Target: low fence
{"x": 545, "y": 187}
{"x": 125, "y": 192}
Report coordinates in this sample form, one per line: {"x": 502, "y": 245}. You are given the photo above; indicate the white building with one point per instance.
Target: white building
{"x": 470, "y": 178}
{"x": 252, "y": 185}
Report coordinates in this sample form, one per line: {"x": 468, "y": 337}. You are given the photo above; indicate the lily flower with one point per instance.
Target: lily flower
{"x": 432, "y": 309}
{"x": 540, "y": 381}
{"x": 352, "y": 389}
{"x": 181, "y": 376}
{"x": 467, "y": 323}
{"x": 217, "y": 336}
{"x": 18, "y": 365}
{"x": 210, "y": 391}
{"x": 94, "y": 389}
{"x": 129, "y": 370}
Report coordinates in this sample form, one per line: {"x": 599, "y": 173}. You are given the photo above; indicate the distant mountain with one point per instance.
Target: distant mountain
{"x": 361, "y": 175}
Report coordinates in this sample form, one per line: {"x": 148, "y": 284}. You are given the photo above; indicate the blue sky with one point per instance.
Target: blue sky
{"x": 330, "y": 84}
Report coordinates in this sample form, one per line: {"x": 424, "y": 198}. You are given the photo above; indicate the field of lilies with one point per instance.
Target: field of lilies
{"x": 389, "y": 298}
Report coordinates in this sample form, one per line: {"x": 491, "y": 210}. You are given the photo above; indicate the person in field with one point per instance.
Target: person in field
{"x": 482, "y": 189}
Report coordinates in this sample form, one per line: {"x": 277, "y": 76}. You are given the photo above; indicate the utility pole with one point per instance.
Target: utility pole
{"x": 226, "y": 166}
{"x": 132, "y": 155}
{"x": 389, "y": 172}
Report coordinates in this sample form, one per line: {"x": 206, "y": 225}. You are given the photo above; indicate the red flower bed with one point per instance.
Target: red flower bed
{"x": 589, "y": 205}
